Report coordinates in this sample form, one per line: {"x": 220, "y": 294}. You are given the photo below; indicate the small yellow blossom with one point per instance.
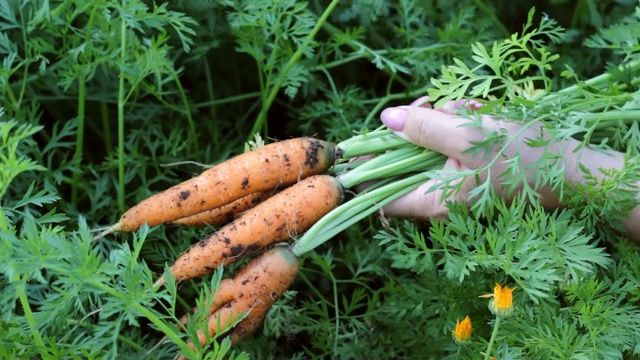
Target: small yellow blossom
{"x": 463, "y": 330}
{"x": 502, "y": 303}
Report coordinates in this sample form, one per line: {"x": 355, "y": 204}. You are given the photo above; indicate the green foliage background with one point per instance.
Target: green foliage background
{"x": 106, "y": 102}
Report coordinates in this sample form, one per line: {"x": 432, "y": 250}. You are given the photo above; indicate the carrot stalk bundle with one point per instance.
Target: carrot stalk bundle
{"x": 252, "y": 292}
{"x": 225, "y": 213}
{"x": 263, "y": 169}
{"x": 278, "y": 218}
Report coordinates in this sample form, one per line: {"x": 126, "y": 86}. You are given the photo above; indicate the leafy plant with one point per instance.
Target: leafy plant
{"x": 106, "y": 102}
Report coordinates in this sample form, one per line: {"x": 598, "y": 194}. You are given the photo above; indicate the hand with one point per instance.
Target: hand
{"x": 441, "y": 130}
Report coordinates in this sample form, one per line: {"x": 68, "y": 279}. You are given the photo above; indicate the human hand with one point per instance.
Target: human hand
{"x": 442, "y": 130}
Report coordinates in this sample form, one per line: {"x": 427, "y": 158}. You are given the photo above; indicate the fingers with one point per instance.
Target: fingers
{"x": 418, "y": 204}
{"x": 432, "y": 129}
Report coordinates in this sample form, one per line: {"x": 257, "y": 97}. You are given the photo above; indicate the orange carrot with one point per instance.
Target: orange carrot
{"x": 252, "y": 291}
{"x": 225, "y": 213}
{"x": 284, "y": 215}
{"x": 265, "y": 168}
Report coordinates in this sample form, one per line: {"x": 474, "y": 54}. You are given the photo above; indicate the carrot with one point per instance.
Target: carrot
{"x": 289, "y": 212}
{"x": 252, "y": 292}
{"x": 265, "y": 168}
{"x": 225, "y": 213}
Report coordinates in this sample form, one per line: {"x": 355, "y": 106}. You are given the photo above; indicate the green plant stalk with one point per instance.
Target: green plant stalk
{"x": 104, "y": 111}
{"x": 353, "y": 57}
{"x": 25, "y": 72}
{"x": 31, "y": 320}
{"x": 187, "y": 111}
{"x": 353, "y": 211}
{"x": 343, "y": 167}
{"x": 210, "y": 94}
{"x": 82, "y": 92}
{"x": 131, "y": 343}
{"x": 494, "y": 334}
{"x": 79, "y": 139}
{"x": 601, "y": 121}
{"x": 121, "y": 101}
{"x": 633, "y": 67}
{"x": 370, "y": 143}
{"x": 229, "y": 99}
{"x": 395, "y": 164}
{"x": 262, "y": 117}
{"x": 399, "y": 153}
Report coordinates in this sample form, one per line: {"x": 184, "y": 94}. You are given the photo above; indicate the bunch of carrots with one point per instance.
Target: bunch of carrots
{"x": 292, "y": 189}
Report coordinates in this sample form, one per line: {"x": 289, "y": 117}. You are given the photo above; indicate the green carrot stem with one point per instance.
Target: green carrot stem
{"x": 268, "y": 100}
{"x": 121, "y": 102}
{"x": 417, "y": 160}
{"x": 632, "y": 67}
{"x": 349, "y": 213}
{"x": 31, "y": 320}
{"x": 77, "y": 156}
{"x": 604, "y": 120}
{"x": 370, "y": 143}
{"x": 343, "y": 167}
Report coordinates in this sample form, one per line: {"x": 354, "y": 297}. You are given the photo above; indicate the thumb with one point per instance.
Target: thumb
{"x": 435, "y": 130}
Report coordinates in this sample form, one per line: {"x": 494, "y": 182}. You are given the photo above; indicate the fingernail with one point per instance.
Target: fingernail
{"x": 394, "y": 118}
{"x": 419, "y": 101}
{"x": 475, "y": 104}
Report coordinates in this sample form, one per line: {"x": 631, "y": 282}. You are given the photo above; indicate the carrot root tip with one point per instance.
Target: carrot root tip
{"x": 109, "y": 230}
{"x": 160, "y": 282}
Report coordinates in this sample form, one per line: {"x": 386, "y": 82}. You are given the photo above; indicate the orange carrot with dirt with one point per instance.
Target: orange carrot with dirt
{"x": 252, "y": 292}
{"x": 225, "y": 213}
{"x": 262, "y": 169}
{"x": 278, "y": 218}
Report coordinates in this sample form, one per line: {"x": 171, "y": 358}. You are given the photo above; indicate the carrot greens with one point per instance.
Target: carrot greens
{"x": 105, "y": 103}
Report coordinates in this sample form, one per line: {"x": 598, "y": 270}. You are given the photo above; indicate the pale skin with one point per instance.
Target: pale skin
{"x": 439, "y": 130}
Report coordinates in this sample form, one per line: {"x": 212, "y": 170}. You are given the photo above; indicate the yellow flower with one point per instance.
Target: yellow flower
{"x": 502, "y": 303}
{"x": 463, "y": 330}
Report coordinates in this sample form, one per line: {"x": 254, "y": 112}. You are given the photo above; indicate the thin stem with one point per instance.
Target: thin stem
{"x": 336, "y": 307}
{"x": 363, "y": 55}
{"x": 79, "y": 139}
{"x": 370, "y": 143}
{"x": 262, "y": 117}
{"x": 395, "y": 163}
{"x": 31, "y": 320}
{"x": 187, "y": 111}
{"x": 106, "y": 132}
{"x": 82, "y": 86}
{"x": 210, "y": 94}
{"x": 494, "y": 334}
{"x": 633, "y": 66}
{"x": 228, "y": 99}
{"x": 121, "y": 102}
{"x": 25, "y": 72}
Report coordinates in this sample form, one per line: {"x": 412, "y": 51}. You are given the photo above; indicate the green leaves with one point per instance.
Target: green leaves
{"x": 536, "y": 249}
{"x": 271, "y": 32}
{"x": 12, "y": 163}
{"x": 503, "y": 70}
{"x": 622, "y": 37}
{"x": 75, "y": 74}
